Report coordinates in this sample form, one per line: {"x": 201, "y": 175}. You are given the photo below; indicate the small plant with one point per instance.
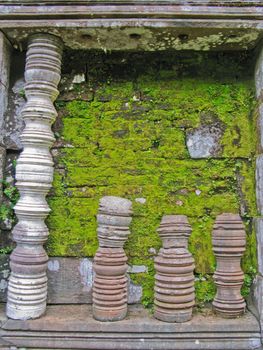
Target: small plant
{"x": 22, "y": 93}
{"x": 11, "y": 197}
{"x": 6, "y": 250}
{"x": 248, "y": 280}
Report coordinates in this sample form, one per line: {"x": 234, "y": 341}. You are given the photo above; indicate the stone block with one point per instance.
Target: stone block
{"x": 258, "y": 224}
{"x": 259, "y": 74}
{"x": 204, "y": 142}
{"x": 2, "y": 164}
{"x": 70, "y": 281}
{"x": 260, "y": 126}
{"x": 259, "y": 183}
{"x": 4, "y": 274}
{"x": 257, "y": 299}
{"x": 5, "y": 56}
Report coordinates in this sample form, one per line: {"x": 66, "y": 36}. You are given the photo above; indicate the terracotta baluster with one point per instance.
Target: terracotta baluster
{"x": 229, "y": 241}
{"x": 110, "y": 282}
{"x": 174, "y": 279}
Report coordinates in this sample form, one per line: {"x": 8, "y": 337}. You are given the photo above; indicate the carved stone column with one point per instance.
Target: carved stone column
{"x": 110, "y": 282}
{"x": 229, "y": 242}
{"x": 174, "y": 279}
{"x": 27, "y": 290}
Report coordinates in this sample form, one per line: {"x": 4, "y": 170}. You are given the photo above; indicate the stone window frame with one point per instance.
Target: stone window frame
{"x": 237, "y": 20}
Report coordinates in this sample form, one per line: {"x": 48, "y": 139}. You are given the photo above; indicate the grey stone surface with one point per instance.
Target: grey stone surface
{"x": 257, "y": 300}
{"x": 137, "y": 269}
{"x": 258, "y": 222}
{"x": 5, "y": 58}
{"x": 2, "y": 165}
{"x": 4, "y": 274}
{"x": 69, "y": 281}
{"x": 259, "y": 183}
{"x": 204, "y": 141}
{"x": 138, "y": 25}
{"x": 134, "y": 292}
{"x": 13, "y": 119}
{"x": 260, "y": 126}
{"x": 259, "y": 74}
{"x": 72, "y": 327}
{"x": 140, "y": 200}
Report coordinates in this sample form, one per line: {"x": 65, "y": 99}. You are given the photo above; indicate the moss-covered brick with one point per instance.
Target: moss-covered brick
{"x": 130, "y": 141}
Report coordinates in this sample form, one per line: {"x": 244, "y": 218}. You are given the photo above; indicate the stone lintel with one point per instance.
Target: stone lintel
{"x": 137, "y": 25}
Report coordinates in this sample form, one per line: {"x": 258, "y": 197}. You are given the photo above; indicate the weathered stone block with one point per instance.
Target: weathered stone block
{"x": 69, "y": 281}
{"x": 4, "y": 274}
{"x": 257, "y": 299}
{"x": 258, "y": 223}
{"x": 204, "y": 141}
{"x": 5, "y": 55}
{"x": 2, "y": 163}
{"x": 259, "y": 183}
{"x": 259, "y": 74}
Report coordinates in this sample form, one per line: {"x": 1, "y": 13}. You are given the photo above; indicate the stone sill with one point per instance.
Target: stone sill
{"x": 72, "y": 327}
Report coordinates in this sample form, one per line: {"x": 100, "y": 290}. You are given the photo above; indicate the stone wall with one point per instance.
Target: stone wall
{"x": 173, "y": 132}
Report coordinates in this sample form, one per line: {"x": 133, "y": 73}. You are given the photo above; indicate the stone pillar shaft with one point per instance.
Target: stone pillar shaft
{"x": 174, "y": 296}
{"x": 229, "y": 243}
{"x": 110, "y": 283}
{"x": 27, "y": 290}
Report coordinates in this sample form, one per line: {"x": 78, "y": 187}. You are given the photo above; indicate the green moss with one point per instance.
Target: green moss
{"x": 130, "y": 141}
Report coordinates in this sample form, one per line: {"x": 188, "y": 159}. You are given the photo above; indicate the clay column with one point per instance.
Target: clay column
{"x": 27, "y": 290}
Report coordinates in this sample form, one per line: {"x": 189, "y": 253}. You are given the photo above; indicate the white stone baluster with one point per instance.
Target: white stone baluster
{"x": 27, "y": 290}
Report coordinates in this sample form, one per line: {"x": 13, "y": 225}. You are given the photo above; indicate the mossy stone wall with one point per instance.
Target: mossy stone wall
{"x": 122, "y": 131}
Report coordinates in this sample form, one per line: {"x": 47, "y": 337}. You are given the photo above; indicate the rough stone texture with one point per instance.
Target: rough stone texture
{"x": 174, "y": 296}
{"x": 259, "y": 74}
{"x": 258, "y": 283}
{"x": 204, "y": 142}
{"x": 72, "y": 327}
{"x": 4, "y": 274}
{"x": 14, "y": 124}
{"x": 110, "y": 289}
{"x": 149, "y": 26}
{"x": 69, "y": 281}
{"x": 2, "y": 164}
{"x": 257, "y": 300}
{"x": 229, "y": 241}
{"x": 259, "y": 183}
{"x": 258, "y": 222}
{"x": 5, "y": 59}
{"x": 27, "y": 288}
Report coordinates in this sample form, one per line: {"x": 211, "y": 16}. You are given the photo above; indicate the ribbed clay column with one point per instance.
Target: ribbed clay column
{"x": 229, "y": 242}
{"x": 174, "y": 279}
{"x": 110, "y": 262}
{"x": 27, "y": 290}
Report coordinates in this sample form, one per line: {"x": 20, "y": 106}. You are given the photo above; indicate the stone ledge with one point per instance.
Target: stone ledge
{"x": 72, "y": 327}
